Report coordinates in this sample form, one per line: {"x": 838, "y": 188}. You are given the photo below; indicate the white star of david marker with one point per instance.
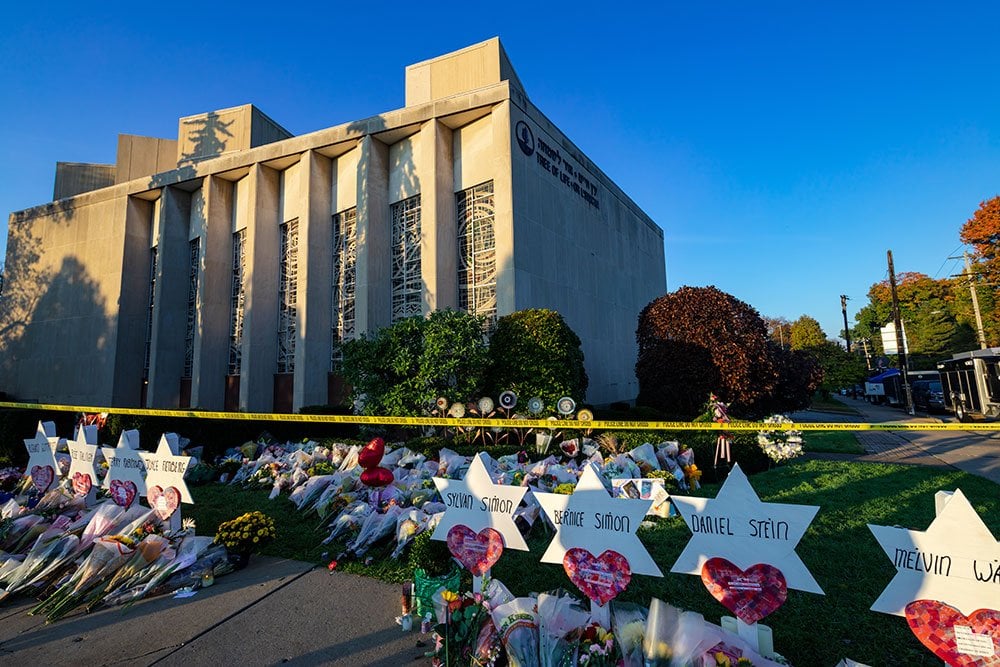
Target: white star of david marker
{"x": 955, "y": 561}
{"x": 737, "y": 526}
{"x": 164, "y": 468}
{"x": 477, "y": 502}
{"x": 591, "y": 519}
{"x": 83, "y": 454}
{"x": 42, "y": 449}
{"x": 125, "y": 463}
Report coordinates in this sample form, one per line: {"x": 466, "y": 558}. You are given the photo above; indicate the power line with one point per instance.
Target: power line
{"x": 946, "y": 260}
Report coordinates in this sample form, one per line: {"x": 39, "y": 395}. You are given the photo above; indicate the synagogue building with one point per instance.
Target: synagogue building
{"x": 222, "y": 269}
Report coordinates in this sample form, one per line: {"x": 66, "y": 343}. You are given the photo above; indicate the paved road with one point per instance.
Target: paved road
{"x": 974, "y": 452}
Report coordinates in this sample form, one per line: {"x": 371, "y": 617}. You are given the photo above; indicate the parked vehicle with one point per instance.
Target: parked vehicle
{"x": 886, "y": 388}
{"x": 928, "y": 395}
{"x": 970, "y": 383}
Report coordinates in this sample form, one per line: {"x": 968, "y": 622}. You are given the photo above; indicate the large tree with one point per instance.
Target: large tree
{"x": 932, "y": 311}
{"x": 807, "y": 333}
{"x": 780, "y": 330}
{"x": 982, "y": 232}
{"x": 402, "y": 369}
{"x": 534, "y": 352}
{"x": 699, "y": 340}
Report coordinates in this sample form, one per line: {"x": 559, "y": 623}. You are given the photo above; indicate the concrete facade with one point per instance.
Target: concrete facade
{"x": 225, "y": 280}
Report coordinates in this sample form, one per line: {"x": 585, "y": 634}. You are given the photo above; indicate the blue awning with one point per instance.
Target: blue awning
{"x": 881, "y": 377}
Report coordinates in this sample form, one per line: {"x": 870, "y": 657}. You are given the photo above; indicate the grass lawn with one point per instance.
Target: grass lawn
{"x": 838, "y": 549}
{"x": 836, "y": 442}
{"x": 831, "y": 405}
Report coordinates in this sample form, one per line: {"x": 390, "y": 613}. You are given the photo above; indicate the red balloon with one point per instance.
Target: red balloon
{"x": 377, "y": 477}
{"x": 372, "y": 453}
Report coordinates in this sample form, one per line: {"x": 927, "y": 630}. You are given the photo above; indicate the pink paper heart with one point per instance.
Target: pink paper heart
{"x": 82, "y": 483}
{"x": 477, "y": 552}
{"x": 750, "y": 594}
{"x": 164, "y": 503}
{"x": 934, "y": 624}
{"x": 600, "y": 578}
{"x": 123, "y": 492}
{"x": 42, "y": 477}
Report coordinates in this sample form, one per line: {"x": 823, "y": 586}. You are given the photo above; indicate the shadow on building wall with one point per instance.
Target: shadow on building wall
{"x": 54, "y": 338}
{"x": 50, "y": 320}
{"x": 209, "y": 135}
{"x": 24, "y": 279}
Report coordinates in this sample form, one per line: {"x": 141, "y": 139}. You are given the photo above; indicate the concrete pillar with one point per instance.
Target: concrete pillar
{"x": 211, "y": 338}
{"x": 170, "y": 299}
{"x": 131, "y": 333}
{"x": 439, "y": 242}
{"x": 260, "y": 318}
{"x": 374, "y": 274}
{"x": 312, "y": 346}
{"x": 503, "y": 202}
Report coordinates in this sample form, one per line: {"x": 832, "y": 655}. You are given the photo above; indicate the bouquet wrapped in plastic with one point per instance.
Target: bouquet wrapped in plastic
{"x": 560, "y": 618}
{"x": 517, "y": 623}
{"x": 628, "y": 621}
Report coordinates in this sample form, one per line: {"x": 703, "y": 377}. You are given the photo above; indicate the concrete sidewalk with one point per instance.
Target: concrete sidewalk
{"x": 974, "y": 452}
{"x": 273, "y": 612}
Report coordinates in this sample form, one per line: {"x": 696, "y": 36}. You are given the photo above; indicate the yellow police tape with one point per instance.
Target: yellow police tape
{"x": 473, "y": 422}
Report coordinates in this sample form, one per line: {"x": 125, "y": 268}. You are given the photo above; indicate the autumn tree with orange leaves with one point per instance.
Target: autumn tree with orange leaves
{"x": 982, "y": 232}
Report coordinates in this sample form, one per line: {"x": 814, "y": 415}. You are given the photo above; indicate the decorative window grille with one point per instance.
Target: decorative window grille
{"x": 477, "y": 256}
{"x": 148, "y": 351}
{"x": 345, "y": 256}
{"x": 407, "y": 285}
{"x": 288, "y": 295}
{"x": 237, "y": 300}
{"x": 192, "y": 306}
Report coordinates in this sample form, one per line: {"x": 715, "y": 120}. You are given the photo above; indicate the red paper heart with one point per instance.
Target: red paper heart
{"x": 377, "y": 477}
{"x": 934, "y": 624}
{"x": 602, "y": 578}
{"x": 477, "y": 552}
{"x": 372, "y": 453}
{"x": 82, "y": 483}
{"x": 42, "y": 477}
{"x": 750, "y": 594}
{"x": 123, "y": 492}
{"x": 164, "y": 503}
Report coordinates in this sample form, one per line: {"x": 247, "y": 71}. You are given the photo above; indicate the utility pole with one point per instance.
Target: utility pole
{"x": 868, "y": 356}
{"x": 899, "y": 336}
{"x": 975, "y": 303}
{"x": 847, "y": 332}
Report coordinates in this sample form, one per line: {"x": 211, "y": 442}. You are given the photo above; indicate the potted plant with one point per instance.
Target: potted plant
{"x": 245, "y": 535}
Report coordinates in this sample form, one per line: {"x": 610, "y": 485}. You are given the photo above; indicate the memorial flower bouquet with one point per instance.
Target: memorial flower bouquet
{"x": 106, "y": 557}
{"x": 780, "y": 444}
{"x": 246, "y": 534}
{"x": 460, "y": 638}
{"x": 597, "y": 647}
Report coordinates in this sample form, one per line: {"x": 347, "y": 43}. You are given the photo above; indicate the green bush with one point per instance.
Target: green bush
{"x": 535, "y": 353}
{"x": 404, "y": 368}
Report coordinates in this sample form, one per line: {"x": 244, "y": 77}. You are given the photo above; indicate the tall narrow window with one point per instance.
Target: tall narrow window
{"x": 477, "y": 251}
{"x": 407, "y": 285}
{"x": 345, "y": 255}
{"x": 192, "y": 305}
{"x": 148, "y": 351}
{"x": 288, "y": 282}
{"x": 237, "y": 298}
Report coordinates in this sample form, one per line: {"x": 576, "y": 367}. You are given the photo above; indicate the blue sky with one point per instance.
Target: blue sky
{"x": 783, "y": 147}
